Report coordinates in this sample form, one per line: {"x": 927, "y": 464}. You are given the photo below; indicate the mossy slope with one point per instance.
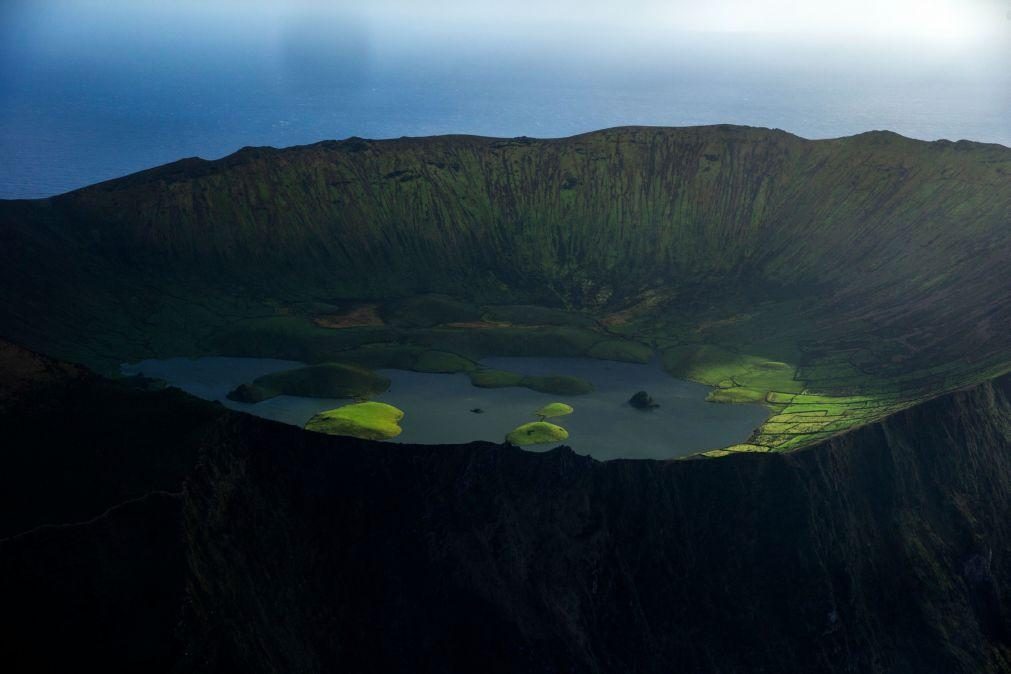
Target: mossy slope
{"x": 873, "y": 265}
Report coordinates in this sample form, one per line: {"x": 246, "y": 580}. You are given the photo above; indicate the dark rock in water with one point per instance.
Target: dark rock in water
{"x": 643, "y": 401}
{"x": 477, "y": 410}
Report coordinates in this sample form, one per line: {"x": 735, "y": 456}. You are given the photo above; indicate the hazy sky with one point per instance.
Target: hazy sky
{"x": 939, "y": 22}
{"x": 971, "y": 35}
{"x": 95, "y": 88}
{"x": 948, "y": 21}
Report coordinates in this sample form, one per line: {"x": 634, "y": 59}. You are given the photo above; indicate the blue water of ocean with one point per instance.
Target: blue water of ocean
{"x": 89, "y": 92}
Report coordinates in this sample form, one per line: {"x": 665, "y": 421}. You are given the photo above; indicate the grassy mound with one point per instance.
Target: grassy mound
{"x": 740, "y": 377}
{"x": 557, "y": 384}
{"x": 737, "y": 394}
{"x": 384, "y": 355}
{"x": 553, "y": 410}
{"x": 251, "y": 393}
{"x": 536, "y": 433}
{"x": 407, "y": 357}
{"x": 293, "y": 338}
{"x": 441, "y": 362}
{"x": 423, "y": 349}
{"x": 560, "y": 384}
{"x": 495, "y": 379}
{"x": 529, "y": 314}
{"x": 328, "y": 380}
{"x": 369, "y": 421}
{"x": 425, "y": 311}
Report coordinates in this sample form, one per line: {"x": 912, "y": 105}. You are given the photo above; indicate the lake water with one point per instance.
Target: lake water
{"x": 437, "y": 406}
{"x": 94, "y": 90}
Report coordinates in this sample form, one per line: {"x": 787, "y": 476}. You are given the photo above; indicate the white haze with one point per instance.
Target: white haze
{"x": 91, "y": 89}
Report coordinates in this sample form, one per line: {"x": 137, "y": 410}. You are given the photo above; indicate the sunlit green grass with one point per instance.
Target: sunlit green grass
{"x": 552, "y": 410}
{"x": 536, "y": 433}
{"x": 368, "y": 420}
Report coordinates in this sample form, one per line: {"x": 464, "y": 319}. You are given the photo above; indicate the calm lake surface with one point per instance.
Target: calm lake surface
{"x": 437, "y": 406}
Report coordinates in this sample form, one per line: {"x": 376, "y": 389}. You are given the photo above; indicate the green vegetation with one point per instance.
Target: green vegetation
{"x": 541, "y": 432}
{"x": 251, "y": 393}
{"x": 557, "y": 384}
{"x": 439, "y": 349}
{"x": 536, "y": 433}
{"x": 737, "y": 394}
{"x": 328, "y": 380}
{"x": 476, "y": 343}
{"x": 530, "y": 314}
{"x": 732, "y": 449}
{"x": 552, "y": 410}
{"x": 728, "y": 370}
{"x": 495, "y": 378}
{"x": 368, "y": 420}
{"x": 380, "y": 355}
{"x": 442, "y": 362}
{"x": 425, "y": 311}
{"x": 788, "y": 267}
{"x": 738, "y": 378}
{"x": 294, "y": 338}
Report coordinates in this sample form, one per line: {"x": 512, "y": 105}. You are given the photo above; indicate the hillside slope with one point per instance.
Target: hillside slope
{"x": 871, "y": 265}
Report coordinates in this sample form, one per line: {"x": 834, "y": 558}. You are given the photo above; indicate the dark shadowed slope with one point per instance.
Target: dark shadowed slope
{"x": 106, "y": 591}
{"x": 883, "y": 550}
{"x": 886, "y": 550}
{"x": 76, "y": 444}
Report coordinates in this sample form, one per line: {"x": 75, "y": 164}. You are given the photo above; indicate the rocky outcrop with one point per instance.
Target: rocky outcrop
{"x": 642, "y": 401}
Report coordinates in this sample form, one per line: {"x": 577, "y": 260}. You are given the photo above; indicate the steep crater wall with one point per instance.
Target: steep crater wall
{"x": 883, "y": 550}
{"x": 874, "y": 238}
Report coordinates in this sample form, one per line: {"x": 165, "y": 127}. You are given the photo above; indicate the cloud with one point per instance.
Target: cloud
{"x": 585, "y": 22}
{"x": 940, "y": 20}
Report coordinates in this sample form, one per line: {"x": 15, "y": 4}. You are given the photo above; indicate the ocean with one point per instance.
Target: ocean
{"x": 90, "y": 92}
